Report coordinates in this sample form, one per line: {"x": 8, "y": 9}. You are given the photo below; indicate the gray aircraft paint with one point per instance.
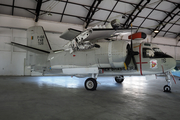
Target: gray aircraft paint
{"x": 108, "y": 59}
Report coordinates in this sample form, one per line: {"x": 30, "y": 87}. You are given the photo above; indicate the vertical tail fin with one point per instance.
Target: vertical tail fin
{"x": 37, "y": 38}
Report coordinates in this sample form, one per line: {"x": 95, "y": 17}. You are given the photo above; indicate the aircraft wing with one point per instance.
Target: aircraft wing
{"x": 70, "y": 34}
{"x": 93, "y": 33}
{"x": 86, "y": 39}
{"x": 105, "y": 33}
{"x": 31, "y": 49}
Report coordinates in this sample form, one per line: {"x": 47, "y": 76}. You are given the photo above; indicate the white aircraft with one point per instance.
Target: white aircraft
{"x": 84, "y": 56}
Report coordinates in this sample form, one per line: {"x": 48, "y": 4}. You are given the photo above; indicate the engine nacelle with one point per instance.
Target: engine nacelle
{"x": 112, "y": 55}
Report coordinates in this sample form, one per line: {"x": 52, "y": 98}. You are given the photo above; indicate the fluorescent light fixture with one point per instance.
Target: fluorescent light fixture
{"x": 156, "y": 31}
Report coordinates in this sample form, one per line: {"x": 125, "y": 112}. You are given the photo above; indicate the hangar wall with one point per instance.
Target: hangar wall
{"x": 12, "y": 59}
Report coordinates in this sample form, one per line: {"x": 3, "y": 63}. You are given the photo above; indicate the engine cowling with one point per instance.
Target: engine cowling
{"x": 112, "y": 55}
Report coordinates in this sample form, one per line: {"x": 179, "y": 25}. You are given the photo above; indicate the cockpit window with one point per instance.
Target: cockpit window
{"x": 157, "y": 50}
{"x": 148, "y": 53}
{"x": 154, "y": 53}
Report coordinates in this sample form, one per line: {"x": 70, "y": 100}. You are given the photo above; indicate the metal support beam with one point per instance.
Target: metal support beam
{"x": 118, "y": 12}
{"x": 47, "y": 1}
{"x": 162, "y": 22}
{"x": 138, "y": 12}
{"x": 178, "y": 35}
{"x": 127, "y": 23}
{"x": 147, "y": 6}
{"x": 90, "y": 10}
{"x": 148, "y": 15}
{"x": 111, "y": 12}
{"x": 44, "y": 11}
{"x": 92, "y": 13}
{"x": 170, "y": 27}
{"x": 38, "y": 8}
{"x": 64, "y": 10}
{"x": 13, "y": 7}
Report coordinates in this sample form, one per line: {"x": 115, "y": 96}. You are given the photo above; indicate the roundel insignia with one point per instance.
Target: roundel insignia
{"x": 153, "y": 64}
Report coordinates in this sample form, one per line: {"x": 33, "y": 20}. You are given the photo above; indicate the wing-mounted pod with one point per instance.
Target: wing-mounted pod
{"x": 131, "y": 53}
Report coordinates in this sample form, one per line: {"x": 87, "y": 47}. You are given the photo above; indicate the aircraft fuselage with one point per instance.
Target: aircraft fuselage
{"x": 110, "y": 57}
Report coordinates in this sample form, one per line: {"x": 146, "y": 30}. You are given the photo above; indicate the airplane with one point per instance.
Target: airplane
{"x": 85, "y": 56}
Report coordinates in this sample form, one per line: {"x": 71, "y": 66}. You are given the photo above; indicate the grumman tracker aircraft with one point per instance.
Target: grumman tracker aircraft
{"x": 83, "y": 55}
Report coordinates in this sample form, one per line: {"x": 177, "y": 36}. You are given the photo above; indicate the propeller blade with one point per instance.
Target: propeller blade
{"x": 127, "y": 61}
{"x": 128, "y": 58}
{"x": 130, "y": 55}
{"x": 134, "y": 61}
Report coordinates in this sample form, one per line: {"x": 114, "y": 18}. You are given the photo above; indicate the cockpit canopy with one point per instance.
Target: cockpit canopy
{"x": 150, "y": 51}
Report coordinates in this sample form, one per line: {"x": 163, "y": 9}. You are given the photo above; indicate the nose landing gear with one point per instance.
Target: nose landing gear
{"x": 167, "y": 88}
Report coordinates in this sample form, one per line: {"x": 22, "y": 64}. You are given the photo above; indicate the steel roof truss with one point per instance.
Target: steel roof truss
{"x": 13, "y": 7}
{"x": 38, "y": 8}
{"x": 111, "y": 12}
{"x": 91, "y": 12}
{"x": 171, "y": 27}
{"x": 162, "y": 22}
{"x": 127, "y": 23}
{"x": 149, "y": 15}
{"x": 63, "y": 11}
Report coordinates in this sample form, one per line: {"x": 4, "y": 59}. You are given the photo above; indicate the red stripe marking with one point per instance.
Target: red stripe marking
{"x": 173, "y": 78}
{"x": 140, "y": 59}
{"x": 162, "y": 68}
{"x": 102, "y": 70}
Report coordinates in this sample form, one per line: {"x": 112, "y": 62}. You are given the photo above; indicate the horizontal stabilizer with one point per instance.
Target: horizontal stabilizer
{"x": 28, "y": 48}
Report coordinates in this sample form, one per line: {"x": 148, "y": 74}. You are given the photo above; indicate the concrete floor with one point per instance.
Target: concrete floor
{"x": 65, "y": 98}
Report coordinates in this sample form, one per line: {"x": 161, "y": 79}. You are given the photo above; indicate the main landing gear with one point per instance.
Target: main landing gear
{"x": 91, "y": 83}
{"x": 119, "y": 79}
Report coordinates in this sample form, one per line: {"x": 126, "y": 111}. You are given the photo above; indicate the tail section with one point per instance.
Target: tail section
{"x": 38, "y": 48}
{"x": 37, "y": 38}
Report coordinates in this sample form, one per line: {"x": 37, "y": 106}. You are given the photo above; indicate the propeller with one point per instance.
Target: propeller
{"x": 130, "y": 54}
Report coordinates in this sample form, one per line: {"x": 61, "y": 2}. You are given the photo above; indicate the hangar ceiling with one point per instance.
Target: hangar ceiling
{"x": 145, "y": 15}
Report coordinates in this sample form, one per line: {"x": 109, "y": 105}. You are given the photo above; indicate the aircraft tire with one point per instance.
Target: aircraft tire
{"x": 90, "y": 84}
{"x": 167, "y": 88}
{"x": 119, "y": 79}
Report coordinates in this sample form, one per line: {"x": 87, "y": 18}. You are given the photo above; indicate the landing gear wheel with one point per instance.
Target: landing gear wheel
{"x": 167, "y": 88}
{"x": 90, "y": 84}
{"x": 119, "y": 79}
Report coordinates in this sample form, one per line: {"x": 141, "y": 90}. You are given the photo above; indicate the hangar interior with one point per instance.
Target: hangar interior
{"x": 57, "y": 16}
{"x": 58, "y": 97}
